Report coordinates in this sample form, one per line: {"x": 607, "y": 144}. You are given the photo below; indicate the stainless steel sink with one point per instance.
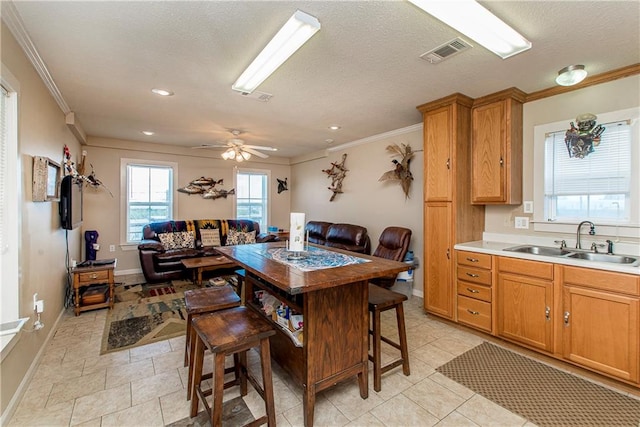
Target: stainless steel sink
{"x": 616, "y": 259}
{"x": 539, "y": 250}
{"x": 575, "y": 254}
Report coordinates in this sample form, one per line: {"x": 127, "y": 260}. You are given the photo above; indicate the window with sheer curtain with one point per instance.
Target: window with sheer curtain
{"x": 597, "y": 187}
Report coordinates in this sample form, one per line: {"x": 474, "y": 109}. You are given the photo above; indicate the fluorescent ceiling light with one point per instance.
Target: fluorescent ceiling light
{"x": 297, "y": 30}
{"x": 477, "y": 23}
{"x": 571, "y": 75}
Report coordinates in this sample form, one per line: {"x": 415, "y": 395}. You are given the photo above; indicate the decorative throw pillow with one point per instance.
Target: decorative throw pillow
{"x": 177, "y": 240}
{"x": 240, "y": 238}
{"x": 210, "y": 237}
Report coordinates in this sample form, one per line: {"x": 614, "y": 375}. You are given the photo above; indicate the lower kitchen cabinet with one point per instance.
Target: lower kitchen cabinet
{"x": 600, "y": 327}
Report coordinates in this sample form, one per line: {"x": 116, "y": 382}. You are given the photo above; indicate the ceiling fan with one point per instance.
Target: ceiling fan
{"x": 237, "y": 150}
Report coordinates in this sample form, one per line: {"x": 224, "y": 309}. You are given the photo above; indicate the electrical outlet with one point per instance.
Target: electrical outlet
{"x": 528, "y": 207}
{"x": 522, "y": 222}
{"x": 112, "y": 248}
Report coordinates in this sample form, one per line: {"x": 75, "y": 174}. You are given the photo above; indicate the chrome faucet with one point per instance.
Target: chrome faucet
{"x": 592, "y": 232}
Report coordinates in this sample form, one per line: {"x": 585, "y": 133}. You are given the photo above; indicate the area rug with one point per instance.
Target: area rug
{"x": 234, "y": 413}
{"x": 147, "y": 313}
{"x": 538, "y": 392}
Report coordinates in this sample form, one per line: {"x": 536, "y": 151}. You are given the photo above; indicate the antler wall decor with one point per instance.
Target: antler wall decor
{"x": 401, "y": 171}
{"x": 206, "y": 188}
{"x": 337, "y": 172}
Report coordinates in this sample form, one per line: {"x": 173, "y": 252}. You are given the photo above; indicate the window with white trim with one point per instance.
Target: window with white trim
{"x": 149, "y": 195}
{"x": 603, "y": 187}
{"x": 252, "y": 196}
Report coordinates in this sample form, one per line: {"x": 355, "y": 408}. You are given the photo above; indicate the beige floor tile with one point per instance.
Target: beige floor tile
{"x": 453, "y": 344}
{"x": 368, "y": 420}
{"x": 175, "y": 406}
{"x": 49, "y": 374}
{"x": 126, "y": 373}
{"x": 96, "y": 422}
{"x": 486, "y": 413}
{"x": 149, "y": 350}
{"x": 101, "y": 403}
{"x": 393, "y": 383}
{"x": 177, "y": 343}
{"x": 432, "y": 355}
{"x": 419, "y": 369}
{"x": 76, "y": 387}
{"x": 435, "y": 398}
{"x": 168, "y": 361}
{"x": 155, "y": 386}
{"x": 284, "y": 399}
{"x": 401, "y": 411}
{"x": 35, "y": 397}
{"x": 325, "y": 414}
{"x": 455, "y": 387}
{"x": 145, "y": 414}
{"x": 456, "y": 419}
{"x": 56, "y": 415}
{"x": 346, "y": 397}
{"x": 100, "y": 363}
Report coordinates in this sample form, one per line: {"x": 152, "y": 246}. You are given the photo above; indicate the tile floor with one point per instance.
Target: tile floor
{"x": 146, "y": 386}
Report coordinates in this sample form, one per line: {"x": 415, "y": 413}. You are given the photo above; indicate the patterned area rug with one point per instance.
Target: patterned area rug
{"x": 143, "y": 314}
{"x": 540, "y": 393}
{"x": 234, "y": 413}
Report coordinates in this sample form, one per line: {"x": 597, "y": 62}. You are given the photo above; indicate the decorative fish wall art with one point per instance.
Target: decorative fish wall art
{"x": 206, "y": 187}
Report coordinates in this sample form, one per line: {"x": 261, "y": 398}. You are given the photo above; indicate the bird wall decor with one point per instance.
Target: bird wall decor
{"x": 282, "y": 185}
{"x": 401, "y": 171}
{"x": 336, "y": 173}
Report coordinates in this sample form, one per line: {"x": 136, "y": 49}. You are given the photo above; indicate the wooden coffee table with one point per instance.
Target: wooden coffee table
{"x": 207, "y": 263}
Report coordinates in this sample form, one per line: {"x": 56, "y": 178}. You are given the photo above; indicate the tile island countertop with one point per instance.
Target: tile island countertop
{"x": 498, "y": 248}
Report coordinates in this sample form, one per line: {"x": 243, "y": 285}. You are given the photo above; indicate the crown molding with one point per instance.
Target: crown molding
{"x": 377, "y": 137}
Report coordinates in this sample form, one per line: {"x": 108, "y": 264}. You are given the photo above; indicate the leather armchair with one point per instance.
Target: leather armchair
{"x": 349, "y": 237}
{"x": 317, "y": 231}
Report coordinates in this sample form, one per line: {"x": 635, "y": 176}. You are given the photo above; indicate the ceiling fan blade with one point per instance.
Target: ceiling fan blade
{"x": 254, "y": 152}
{"x": 260, "y": 147}
{"x": 210, "y": 146}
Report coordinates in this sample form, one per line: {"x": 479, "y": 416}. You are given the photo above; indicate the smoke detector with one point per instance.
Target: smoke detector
{"x": 446, "y": 50}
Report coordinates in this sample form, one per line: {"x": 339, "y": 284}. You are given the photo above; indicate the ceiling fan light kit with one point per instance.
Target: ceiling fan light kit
{"x": 295, "y": 32}
{"x": 477, "y": 23}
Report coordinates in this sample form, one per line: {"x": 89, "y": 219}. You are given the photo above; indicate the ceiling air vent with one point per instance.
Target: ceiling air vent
{"x": 258, "y": 96}
{"x": 445, "y": 51}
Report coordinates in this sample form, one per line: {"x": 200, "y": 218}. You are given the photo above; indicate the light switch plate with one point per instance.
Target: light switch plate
{"x": 522, "y": 222}
{"x": 528, "y": 207}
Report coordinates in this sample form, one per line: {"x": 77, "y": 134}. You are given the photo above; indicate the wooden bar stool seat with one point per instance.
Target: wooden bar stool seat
{"x": 380, "y": 300}
{"x": 232, "y": 332}
{"x": 201, "y": 301}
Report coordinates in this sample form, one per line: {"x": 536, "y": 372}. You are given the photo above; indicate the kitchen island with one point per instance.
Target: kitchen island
{"x": 331, "y": 293}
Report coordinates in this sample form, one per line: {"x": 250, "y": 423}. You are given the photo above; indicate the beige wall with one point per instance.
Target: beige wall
{"x": 365, "y": 201}
{"x": 103, "y": 212}
{"x": 615, "y": 95}
{"x": 41, "y": 132}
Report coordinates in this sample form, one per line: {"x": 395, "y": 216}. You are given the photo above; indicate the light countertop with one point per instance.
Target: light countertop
{"x": 497, "y": 248}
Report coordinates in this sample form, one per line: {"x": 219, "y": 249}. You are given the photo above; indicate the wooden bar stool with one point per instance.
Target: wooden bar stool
{"x": 201, "y": 301}
{"x": 380, "y": 300}
{"x": 232, "y": 332}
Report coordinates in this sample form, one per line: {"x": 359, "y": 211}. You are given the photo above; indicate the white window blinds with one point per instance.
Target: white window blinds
{"x": 605, "y": 171}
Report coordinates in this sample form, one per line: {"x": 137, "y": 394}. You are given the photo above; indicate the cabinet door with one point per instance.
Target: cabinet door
{"x": 525, "y": 307}
{"x": 600, "y": 331}
{"x": 488, "y": 153}
{"x": 439, "y": 290}
{"x": 437, "y": 155}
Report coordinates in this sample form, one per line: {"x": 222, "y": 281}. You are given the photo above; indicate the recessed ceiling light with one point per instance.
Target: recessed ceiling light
{"x": 162, "y": 92}
{"x": 147, "y": 132}
{"x": 334, "y": 127}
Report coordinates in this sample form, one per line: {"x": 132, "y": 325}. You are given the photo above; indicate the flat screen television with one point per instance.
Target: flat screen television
{"x": 70, "y": 203}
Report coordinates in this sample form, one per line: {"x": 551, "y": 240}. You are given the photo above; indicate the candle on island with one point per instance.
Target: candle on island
{"x": 296, "y": 232}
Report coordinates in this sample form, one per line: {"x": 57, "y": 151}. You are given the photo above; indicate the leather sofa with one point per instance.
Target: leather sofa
{"x": 349, "y": 237}
{"x": 160, "y": 264}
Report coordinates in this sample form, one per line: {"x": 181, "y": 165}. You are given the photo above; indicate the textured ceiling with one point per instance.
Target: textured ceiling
{"x": 361, "y": 71}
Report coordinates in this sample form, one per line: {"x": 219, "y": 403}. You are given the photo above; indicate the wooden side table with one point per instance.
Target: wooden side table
{"x": 207, "y": 263}
{"x": 87, "y": 276}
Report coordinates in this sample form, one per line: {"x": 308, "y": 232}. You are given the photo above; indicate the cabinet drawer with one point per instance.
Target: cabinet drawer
{"x": 93, "y": 276}
{"x": 474, "y": 313}
{"x": 542, "y": 270}
{"x": 472, "y": 290}
{"x": 605, "y": 280}
{"x": 475, "y": 275}
{"x": 474, "y": 259}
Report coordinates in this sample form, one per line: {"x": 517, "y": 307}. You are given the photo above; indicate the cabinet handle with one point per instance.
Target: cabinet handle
{"x": 472, "y": 275}
{"x": 547, "y": 313}
{"x": 475, "y": 313}
{"x": 473, "y": 291}
{"x": 448, "y": 254}
{"x": 448, "y": 163}
{"x": 566, "y": 318}
{"x": 472, "y": 259}
{"x": 501, "y": 161}
{"x": 94, "y": 276}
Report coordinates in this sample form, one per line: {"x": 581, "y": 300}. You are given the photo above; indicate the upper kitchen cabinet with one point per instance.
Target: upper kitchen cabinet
{"x": 496, "y": 154}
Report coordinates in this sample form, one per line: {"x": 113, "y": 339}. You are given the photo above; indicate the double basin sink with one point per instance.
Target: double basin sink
{"x": 575, "y": 254}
